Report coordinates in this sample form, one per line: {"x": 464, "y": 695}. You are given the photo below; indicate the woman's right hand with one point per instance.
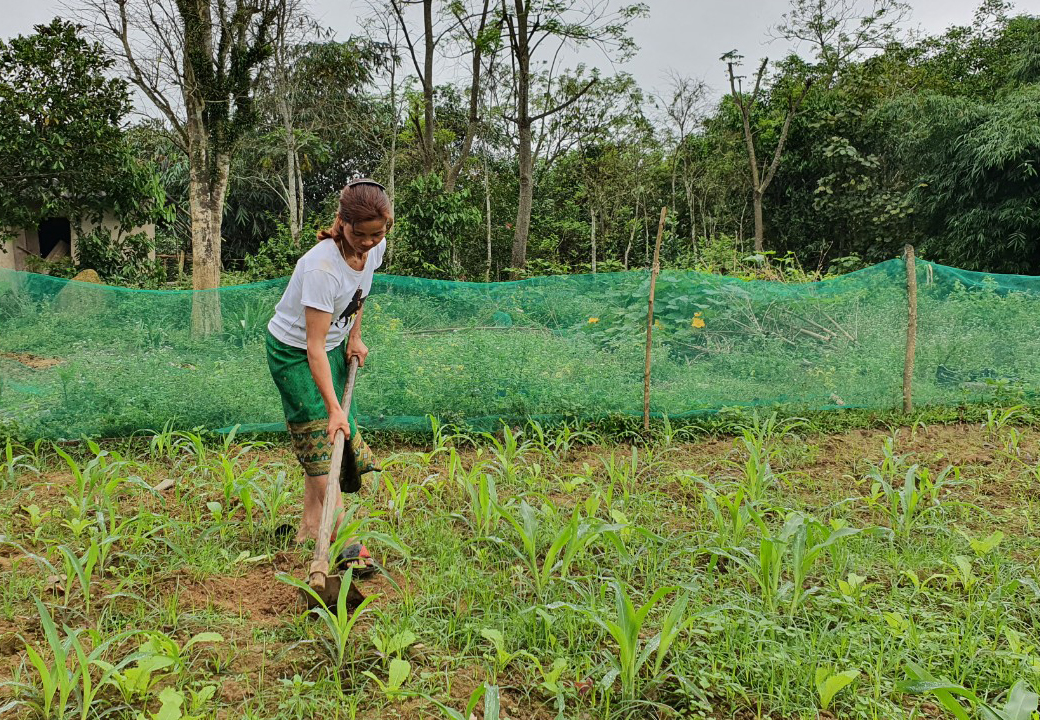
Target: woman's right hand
{"x": 338, "y": 421}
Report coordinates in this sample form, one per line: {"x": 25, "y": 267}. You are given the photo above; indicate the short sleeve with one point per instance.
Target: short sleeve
{"x": 319, "y": 290}
{"x": 377, "y": 255}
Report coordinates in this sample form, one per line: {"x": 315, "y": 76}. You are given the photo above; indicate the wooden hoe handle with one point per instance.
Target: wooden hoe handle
{"x": 319, "y": 571}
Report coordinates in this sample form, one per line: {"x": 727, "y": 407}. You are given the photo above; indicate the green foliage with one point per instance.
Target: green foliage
{"x": 62, "y": 149}
{"x": 277, "y": 255}
{"x": 120, "y": 259}
{"x": 429, "y": 227}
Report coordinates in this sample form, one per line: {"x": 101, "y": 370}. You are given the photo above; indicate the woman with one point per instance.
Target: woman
{"x": 321, "y": 310}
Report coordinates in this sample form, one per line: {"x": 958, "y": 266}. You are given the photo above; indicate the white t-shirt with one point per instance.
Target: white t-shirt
{"x": 324, "y": 281}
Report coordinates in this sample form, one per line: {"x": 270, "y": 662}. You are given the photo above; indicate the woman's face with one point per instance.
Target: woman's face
{"x": 363, "y": 236}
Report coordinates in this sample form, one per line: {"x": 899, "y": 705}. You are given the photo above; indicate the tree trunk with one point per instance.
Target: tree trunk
{"x": 520, "y": 41}
{"x": 592, "y": 213}
{"x": 431, "y": 154}
{"x": 294, "y": 199}
{"x": 759, "y": 229}
{"x": 208, "y": 177}
{"x": 631, "y": 236}
{"x": 487, "y": 214}
{"x": 206, "y": 205}
{"x": 691, "y": 201}
{"x": 391, "y": 184}
{"x": 453, "y": 170}
{"x": 526, "y": 200}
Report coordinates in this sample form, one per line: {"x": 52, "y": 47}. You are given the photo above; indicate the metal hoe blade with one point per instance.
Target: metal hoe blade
{"x": 330, "y": 595}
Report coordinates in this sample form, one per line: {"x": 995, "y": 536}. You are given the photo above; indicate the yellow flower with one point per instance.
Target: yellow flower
{"x": 593, "y": 320}
{"x": 697, "y": 321}
{"x": 657, "y": 324}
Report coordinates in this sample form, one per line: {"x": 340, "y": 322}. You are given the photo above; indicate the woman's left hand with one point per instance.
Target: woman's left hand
{"x": 358, "y": 349}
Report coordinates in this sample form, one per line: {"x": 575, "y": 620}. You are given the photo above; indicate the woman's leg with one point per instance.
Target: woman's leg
{"x": 313, "y": 502}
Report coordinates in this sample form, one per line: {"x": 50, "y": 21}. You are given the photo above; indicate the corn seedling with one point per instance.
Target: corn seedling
{"x": 808, "y": 542}
{"x": 339, "y": 622}
{"x": 16, "y": 459}
{"x": 508, "y": 453}
{"x": 441, "y": 441}
{"x": 161, "y": 443}
{"x": 484, "y": 510}
{"x": 998, "y": 418}
{"x": 82, "y": 568}
{"x": 627, "y": 628}
{"x": 566, "y": 438}
{"x": 622, "y": 473}
{"x": 569, "y": 543}
{"x": 51, "y": 665}
{"x": 729, "y": 514}
{"x": 272, "y": 498}
{"x": 99, "y": 646}
{"x": 396, "y": 495}
{"x": 796, "y": 546}
{"x": 905, "y": 505}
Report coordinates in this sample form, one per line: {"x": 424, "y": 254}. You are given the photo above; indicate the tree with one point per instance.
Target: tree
{"x": 978, "y": 190}
{"x": 684, "y": 114}
{"x": 289, "y": 30}
{"x": 314, "y": 114}
{"x": 531, "y": 24}
{"x": 62, "y": 148}
{"x": 838, "y": 31}
{"x": 761, "y": 175}
{"x": 474, "y": 29}
{"x": 197, "y": 62}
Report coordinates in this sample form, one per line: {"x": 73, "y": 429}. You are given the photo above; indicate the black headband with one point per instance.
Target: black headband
{"x": 365, "y": 181}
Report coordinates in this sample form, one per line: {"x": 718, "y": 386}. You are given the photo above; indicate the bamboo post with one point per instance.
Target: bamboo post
{"x": 911, "y": 327}
{"x": 650, "y": 318}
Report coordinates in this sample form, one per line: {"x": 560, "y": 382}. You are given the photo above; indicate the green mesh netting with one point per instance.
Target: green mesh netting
{"x": 81, "y": 359}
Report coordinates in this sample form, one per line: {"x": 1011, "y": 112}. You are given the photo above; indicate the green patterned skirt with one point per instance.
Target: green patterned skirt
{"x": 305, "y": 414}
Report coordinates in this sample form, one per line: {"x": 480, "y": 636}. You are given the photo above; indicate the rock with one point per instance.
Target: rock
{"x": 89, "y": 276}
{"x": 80, "y": 299}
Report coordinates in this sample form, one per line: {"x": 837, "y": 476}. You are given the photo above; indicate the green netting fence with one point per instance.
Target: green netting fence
{"x": 82, "y": 359}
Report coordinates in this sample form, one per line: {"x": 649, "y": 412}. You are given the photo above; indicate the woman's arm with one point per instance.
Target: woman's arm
{"x": 354, "y": 345}
{"x": 318, "y": 324}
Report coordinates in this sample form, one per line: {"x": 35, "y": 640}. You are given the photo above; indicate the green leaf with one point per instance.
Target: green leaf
{"x": 492, "y": 705}
{"x": 495, "y": 637}
{"x": 171, "y": 700}
{"x": 829, "y": 683}
{"x": 1021, "y": 704}
{"x": 399, "y": 672}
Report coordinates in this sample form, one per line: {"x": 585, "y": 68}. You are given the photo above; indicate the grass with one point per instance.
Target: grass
{"x": 536, "y": 573}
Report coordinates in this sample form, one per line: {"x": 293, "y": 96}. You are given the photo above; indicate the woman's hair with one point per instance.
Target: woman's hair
{"x": 359, "y": 201}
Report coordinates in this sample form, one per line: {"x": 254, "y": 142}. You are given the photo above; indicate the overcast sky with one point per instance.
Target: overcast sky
{"x": 686, "y": 36}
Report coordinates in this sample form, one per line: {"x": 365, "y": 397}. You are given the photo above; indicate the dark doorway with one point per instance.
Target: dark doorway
{"x": 53, "y": 232}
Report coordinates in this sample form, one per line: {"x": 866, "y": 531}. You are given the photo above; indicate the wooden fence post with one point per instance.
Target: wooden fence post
{"x": 911, "y": 327}
{"x": 650, "y": 318}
